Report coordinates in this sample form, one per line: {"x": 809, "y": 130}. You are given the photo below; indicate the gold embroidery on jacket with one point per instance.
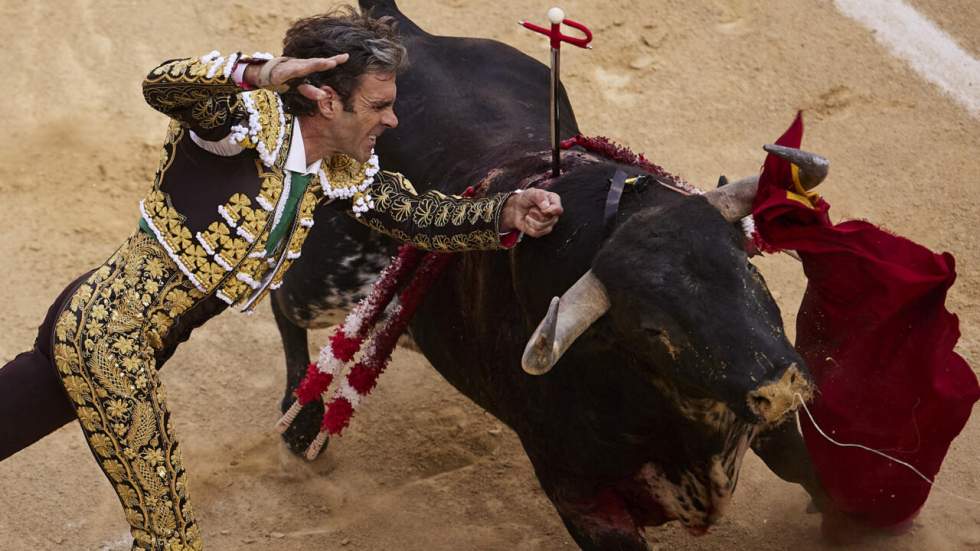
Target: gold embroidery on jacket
{"x": 442, "y": 214}
{"x": 271, "y": 189}
{"x": 182, "y": 89}
{"x": 343, "y": 171}
{"x": 437, "y": 221}
{"x": 214, "y": 113}
{"x": 294, "y": 242}
{"x": 266, "y": 107}
{"x": 220, "y": 257}
{"x": 104, "y": 347}
{"x": 251, "y": 269}
{"x": 226, "y": 242}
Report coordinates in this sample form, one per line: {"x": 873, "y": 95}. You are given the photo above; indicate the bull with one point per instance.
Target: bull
{"x": 670, "y": 359}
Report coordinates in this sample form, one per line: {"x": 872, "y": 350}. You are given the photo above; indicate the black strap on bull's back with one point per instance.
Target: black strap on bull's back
{"x": 616, "y": 185}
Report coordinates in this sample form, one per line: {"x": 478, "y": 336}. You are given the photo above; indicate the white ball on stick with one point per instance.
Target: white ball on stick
{"x": 556, "y": 15}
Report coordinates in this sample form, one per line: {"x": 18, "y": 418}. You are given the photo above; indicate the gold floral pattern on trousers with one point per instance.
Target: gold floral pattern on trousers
{"x": 105, "y": 348}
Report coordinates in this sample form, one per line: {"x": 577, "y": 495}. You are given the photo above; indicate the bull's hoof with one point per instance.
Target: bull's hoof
{"x": 304, "y": 428}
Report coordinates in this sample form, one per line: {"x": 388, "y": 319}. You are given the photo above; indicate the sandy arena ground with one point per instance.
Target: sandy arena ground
{"x": 698, "y": 86}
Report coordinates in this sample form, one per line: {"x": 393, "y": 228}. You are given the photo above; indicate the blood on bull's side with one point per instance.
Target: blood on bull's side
{"x": 653, "y": 398}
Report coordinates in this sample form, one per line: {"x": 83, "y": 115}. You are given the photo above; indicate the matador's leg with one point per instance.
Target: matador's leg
{"x": 32, "y": 401}
{"x": 105, "y": 344}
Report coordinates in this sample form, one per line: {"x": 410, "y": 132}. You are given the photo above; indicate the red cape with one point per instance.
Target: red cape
{"x": 874, "y": 331}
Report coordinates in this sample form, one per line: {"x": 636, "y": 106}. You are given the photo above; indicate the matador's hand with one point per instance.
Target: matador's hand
{"x": 534, "y": 212}
{"x": 275, "y": 73}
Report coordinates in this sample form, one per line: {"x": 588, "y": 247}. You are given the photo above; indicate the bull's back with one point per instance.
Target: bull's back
{"x": 464, "y": 104}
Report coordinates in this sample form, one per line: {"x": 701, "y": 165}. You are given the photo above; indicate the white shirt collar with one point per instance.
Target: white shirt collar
{"x": 296, "y": 161}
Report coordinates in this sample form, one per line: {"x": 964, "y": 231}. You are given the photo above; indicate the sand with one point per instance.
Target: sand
{"x": 697, "y": 86}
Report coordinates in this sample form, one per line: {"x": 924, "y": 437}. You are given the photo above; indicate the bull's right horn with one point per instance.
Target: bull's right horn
{"x": 734, "y": 200}
{"x": 568, "y": 317}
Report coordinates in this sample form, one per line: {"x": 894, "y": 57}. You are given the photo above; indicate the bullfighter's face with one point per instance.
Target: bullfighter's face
{"x": 370, "y": 111}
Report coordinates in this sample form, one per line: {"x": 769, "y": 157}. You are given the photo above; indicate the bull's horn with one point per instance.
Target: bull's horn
{"x": 568, "y": 317}
{"x": 734, "y": 200}
{"x": 813, "y": 167}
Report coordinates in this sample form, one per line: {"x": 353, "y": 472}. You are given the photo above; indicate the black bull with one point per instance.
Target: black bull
{"x": 645, "y": 419}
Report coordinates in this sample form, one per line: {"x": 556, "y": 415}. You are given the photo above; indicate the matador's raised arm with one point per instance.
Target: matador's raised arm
{"x": 199, "y": 92}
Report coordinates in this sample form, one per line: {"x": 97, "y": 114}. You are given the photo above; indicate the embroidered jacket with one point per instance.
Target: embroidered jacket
{"x": 213, "y": 213}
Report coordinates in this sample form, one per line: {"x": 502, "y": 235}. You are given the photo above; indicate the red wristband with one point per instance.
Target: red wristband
{"x": 510, "y": 239}
{"x": 244, "y": 85}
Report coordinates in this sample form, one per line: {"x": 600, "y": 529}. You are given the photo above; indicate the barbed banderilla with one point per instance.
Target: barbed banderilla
{"x": 557, "y": 17}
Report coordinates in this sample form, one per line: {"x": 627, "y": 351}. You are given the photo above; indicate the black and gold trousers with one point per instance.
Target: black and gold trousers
{"x": 108, "y": 343}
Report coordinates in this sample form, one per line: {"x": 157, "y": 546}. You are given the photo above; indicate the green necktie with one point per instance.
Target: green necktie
{"x": 297, "y": 186}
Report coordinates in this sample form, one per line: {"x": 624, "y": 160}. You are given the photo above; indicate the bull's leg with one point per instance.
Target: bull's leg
{"x": 295, "y": 344}
{"x": 784, "y": 452}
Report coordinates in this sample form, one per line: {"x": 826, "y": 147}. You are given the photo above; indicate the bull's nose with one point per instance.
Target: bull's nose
{"x": 774, "y": 400}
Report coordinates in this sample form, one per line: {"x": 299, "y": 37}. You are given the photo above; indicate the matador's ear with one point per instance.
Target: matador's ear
{"x": 327, "y": 100}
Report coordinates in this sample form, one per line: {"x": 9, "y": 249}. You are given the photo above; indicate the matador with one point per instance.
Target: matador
{"x": 255, "y": 145}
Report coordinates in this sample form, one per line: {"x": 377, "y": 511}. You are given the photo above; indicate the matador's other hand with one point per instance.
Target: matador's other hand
{"x": 534, "y": 212}
{"x": 275, "y": 73}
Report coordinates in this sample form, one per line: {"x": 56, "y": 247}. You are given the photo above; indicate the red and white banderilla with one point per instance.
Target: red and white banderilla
{"x": 557, "y": 18}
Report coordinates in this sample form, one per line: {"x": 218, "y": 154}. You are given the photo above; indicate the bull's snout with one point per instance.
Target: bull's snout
{"x": 774, "y": 400}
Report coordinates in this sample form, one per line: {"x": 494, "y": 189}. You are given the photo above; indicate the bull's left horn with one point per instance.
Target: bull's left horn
{"x": 568, "y": 317}
{"x": 813, "y": 168}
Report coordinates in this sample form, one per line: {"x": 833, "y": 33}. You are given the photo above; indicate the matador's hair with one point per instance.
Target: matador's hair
{"x": 373, "y": 45}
